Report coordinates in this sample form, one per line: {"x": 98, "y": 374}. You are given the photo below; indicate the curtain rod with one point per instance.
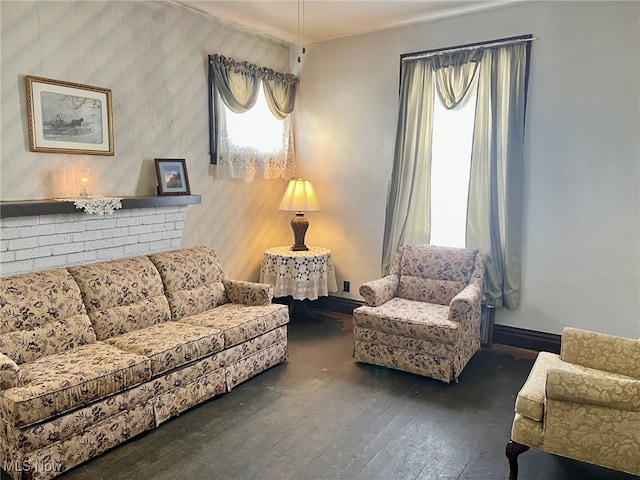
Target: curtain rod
{"x": 431, "y": 53}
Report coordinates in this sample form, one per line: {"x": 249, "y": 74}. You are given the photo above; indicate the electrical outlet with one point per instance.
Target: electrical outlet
{"x": 346, "y": 286}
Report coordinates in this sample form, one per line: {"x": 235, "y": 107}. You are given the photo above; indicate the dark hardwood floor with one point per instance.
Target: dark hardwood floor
{"x": 323, "y": 416}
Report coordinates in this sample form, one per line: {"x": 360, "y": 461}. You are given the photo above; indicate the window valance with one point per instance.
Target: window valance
{"x": 238, "y": 84}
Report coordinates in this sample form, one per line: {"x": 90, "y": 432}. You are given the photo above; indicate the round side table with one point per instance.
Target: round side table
{"x": 303, "y": 275}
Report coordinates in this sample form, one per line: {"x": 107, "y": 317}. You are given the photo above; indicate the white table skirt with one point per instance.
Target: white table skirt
{"x": 302, "y": 274}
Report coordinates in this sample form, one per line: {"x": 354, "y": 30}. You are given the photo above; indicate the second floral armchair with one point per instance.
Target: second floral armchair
{"x": 424, "y": 316}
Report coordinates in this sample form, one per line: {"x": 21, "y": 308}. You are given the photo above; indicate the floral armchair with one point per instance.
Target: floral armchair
{"x": 424, "y": 316}
{"x": 582, "y": 404}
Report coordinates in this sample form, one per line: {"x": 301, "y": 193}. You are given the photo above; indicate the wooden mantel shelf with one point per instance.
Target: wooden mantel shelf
{"x": 25, "y": 208}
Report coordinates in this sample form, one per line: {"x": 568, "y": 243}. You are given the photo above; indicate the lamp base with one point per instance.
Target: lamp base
{"x": 299, "y": 225}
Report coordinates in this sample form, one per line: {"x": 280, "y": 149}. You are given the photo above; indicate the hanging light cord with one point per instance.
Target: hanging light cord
{"x": 300, "y": 28}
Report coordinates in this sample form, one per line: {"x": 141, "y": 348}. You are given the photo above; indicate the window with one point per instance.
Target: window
{"x": 250, "y": 125}
{"x": 455, "y": 181}
{"x": 450, "y": 170}
{"x": 257, "y": 130}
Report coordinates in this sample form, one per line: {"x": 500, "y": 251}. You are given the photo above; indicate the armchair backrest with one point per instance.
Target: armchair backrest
{"x": 433, "y": 274}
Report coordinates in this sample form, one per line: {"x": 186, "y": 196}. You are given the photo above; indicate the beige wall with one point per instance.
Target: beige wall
{"x": 581, "y": 260}
{"x": 581, "y": 249}
{"x": 154, "y": 59}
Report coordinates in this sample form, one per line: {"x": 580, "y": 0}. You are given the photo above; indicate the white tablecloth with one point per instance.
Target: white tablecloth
{"x": 303, "y": 274}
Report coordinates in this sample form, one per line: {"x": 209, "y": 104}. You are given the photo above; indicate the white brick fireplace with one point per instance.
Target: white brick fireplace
{"x": 37, "y": 242}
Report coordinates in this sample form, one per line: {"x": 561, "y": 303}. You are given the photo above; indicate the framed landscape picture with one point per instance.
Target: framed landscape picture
{"x": 172, "y": 176}
{"x": 68, "y": 117}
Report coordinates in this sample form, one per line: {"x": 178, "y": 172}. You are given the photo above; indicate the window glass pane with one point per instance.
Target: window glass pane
{"x": 450, "y": 169}
{"x": 257, "y": 128}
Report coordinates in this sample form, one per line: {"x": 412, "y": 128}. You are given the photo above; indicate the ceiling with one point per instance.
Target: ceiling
{"x": 309, "y": 21}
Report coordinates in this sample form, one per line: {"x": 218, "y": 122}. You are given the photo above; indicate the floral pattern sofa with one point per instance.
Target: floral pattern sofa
{"x": 582, "y": 404}
{"x": 424, "y": 316}
{"x": 93, "y": 355}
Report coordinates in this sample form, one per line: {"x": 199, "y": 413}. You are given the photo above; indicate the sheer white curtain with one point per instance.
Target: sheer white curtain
{"x": 251, "y": 134}
{"x": 255, "y": 144}
{"x": 494, "y": 203}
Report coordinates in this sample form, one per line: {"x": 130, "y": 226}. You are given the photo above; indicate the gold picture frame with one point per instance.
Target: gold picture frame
{"x": 67, "y": 117}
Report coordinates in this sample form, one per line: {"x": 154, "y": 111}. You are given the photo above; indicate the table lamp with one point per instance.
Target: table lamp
{"x": 299, "y": 197}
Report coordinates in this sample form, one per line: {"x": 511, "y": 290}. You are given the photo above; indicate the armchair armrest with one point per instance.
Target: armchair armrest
{"x": 467, "y": 301}
{"x": 248, "y": 293}
{"x": 593, "y": 389}
{"x": 9, "y": 373}
{"x": 601, "y": 352}
{"x": 377, "y": 292}
{"x": 470, "y": 298}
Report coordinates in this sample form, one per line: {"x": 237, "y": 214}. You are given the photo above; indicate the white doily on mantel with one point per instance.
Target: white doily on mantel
{"x": 96, "y": 205}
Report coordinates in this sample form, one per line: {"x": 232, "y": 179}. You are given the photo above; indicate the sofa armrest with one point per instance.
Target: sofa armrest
{"x": 379, "y": 291}
{"x": 9, "y": 373}
{"x": 593, "y": 389}
{"x": 248, "y": 293}
{"x": 601, "y": 352}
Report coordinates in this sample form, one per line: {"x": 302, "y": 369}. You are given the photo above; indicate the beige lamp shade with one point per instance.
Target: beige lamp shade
{"x": 299, "y": 197}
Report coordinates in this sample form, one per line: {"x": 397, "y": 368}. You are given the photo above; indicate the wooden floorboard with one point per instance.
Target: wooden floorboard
{"x": 323, "y": 416}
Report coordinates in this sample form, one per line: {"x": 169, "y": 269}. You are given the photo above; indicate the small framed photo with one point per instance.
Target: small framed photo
{"x": 172, "y": 176}
{"x": 68, "y": 117}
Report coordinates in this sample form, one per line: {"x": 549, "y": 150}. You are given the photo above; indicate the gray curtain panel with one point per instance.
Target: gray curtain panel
{"x": 237, "y": 83}
{"x": 280, "y": 92}
{"x": 495, "y": 190}
{"x": 408, "y": 216}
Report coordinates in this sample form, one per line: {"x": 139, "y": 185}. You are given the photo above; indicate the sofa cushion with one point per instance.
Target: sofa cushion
{"x": 57, "y": 383}
{"x": 240, "y": 323}
{"x": 170, "y": 345}
{"x": 530, "y": 399}
{"x": 34, "y": 303}
{"x": 192, "y": 279}
{"x": 38, "y": 436}
{"x": 116, "y": 321}
{"x": 122, "y": 295}
{"x": 190, "y": 302}
{"x": 53, "y": 337}
{"x": 399, "y": 316}
{"x": 33, "y": 299}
